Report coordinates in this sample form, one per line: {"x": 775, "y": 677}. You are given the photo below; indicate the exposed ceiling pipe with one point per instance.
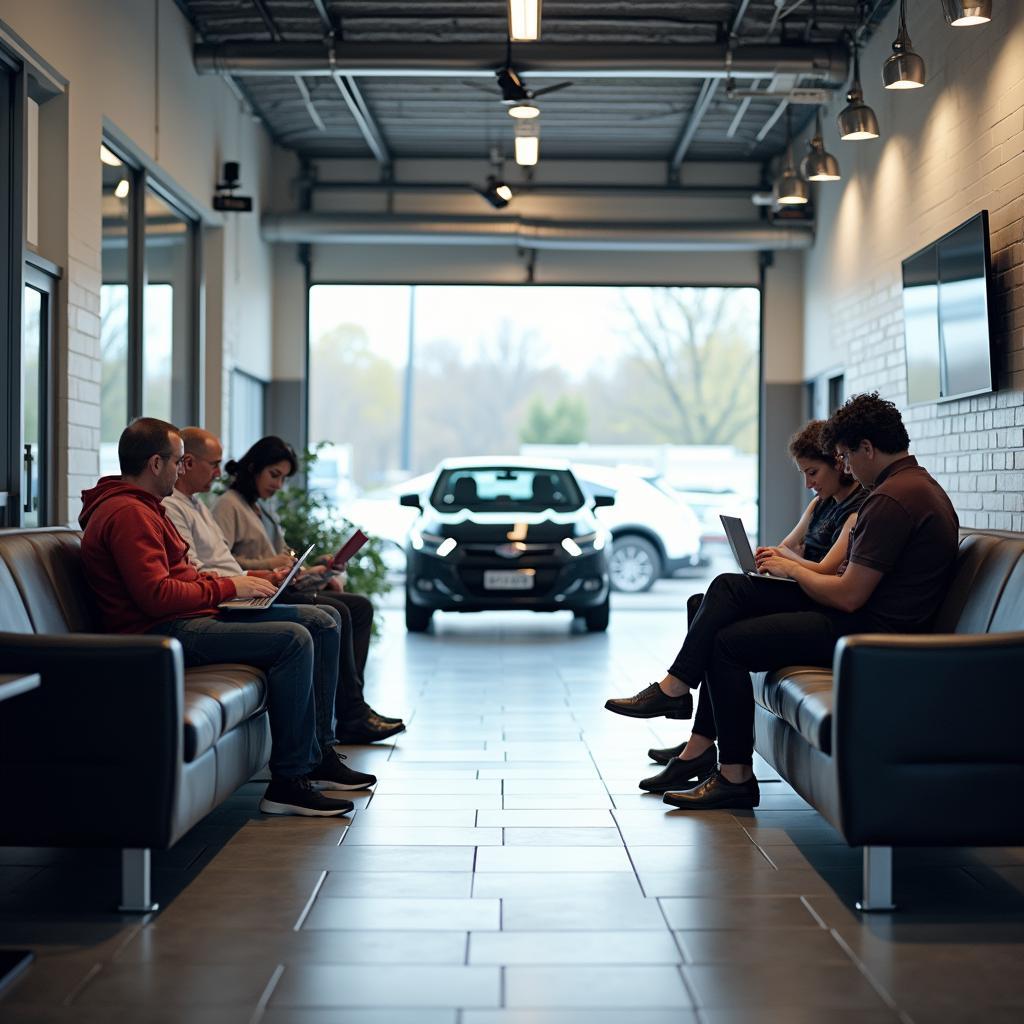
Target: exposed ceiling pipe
{"x": 538, "y": 188}
{"x": 539, "y": 60}
{"x": 360, "y": 229}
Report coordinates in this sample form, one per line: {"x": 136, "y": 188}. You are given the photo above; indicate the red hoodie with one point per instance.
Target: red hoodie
{"x": 137, "y": 563}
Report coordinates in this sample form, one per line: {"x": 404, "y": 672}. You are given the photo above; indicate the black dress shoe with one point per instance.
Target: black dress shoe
{"x": 716, "y": 791}
{"x": 653, "y": 702}
{"x": 370, "y": 729}
{"x": 679, "y": 772}
{"x": 664, "y": 755}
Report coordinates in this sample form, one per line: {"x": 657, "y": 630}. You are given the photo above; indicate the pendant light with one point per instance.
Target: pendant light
{"x": 523, "y": 21}
{"x": 819, "y": 165}
{"x": 856, "y": 120}
{"x": 790, "y": 188}
{"x": 965, "y": 13}
{"x": 527, "y": 143}
{"x": 904, "y": 69}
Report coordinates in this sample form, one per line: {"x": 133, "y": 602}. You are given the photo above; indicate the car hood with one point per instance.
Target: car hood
{"x": 535, "y": 528}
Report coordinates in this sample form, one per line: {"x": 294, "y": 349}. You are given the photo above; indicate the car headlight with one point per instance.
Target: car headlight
{"x": 431, "y": 543}
{"x": 585, "y": 544}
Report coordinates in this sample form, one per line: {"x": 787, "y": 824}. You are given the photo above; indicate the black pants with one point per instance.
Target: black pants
{"x": 356, "y": 614}
{"x": 745, "y": 625}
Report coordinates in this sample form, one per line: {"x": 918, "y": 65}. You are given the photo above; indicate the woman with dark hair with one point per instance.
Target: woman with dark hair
{"x": 253, "y": 531}
{"x": 819, "y": 541}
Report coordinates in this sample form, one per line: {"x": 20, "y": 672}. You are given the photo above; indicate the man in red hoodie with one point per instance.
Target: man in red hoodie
{"x": 138, "y": 567}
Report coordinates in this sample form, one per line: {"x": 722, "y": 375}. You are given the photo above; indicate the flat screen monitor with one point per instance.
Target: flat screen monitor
{"x": 946, "y": 316}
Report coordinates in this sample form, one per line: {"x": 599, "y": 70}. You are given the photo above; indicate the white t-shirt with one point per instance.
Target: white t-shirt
{"x": 207, "y": 548}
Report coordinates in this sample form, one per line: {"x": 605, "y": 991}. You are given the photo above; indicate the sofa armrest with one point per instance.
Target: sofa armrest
{"x": 926, "y": 738}
{"x": 98, "y": 746}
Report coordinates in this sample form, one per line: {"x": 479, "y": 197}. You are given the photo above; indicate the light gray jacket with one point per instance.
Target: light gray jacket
{"x": 253, "y": 532}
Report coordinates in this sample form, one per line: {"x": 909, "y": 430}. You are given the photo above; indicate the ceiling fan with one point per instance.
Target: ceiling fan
{"x": 515, "y": 94}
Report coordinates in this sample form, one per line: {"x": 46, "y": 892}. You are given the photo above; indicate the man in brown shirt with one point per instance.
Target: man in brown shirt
{"x": 902, "y": 551}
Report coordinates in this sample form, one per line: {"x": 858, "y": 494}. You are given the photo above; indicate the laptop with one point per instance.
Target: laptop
{"x": 348, "y": 549}
{"x": 243, "y": 604}
{"x": 736, "y": 535}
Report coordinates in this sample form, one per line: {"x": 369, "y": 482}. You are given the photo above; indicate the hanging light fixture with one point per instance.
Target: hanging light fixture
{"x": 904, "y": 69}
{"x": 525, "y": 111}
{"x": 527, "y": 143}
{"x": 110, "y": 158}
{"x": 523, "y": 21}
{"x": 819, "y": 165}
{"x": 856, "y": 120}
{"x": 965, "y": 13}
{"x": 790, "y": 188}
{"x": 496, "y": 192}
{"x": 122, "y": 188}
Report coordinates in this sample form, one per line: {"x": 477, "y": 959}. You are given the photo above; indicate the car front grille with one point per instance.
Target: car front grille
{"x": 490, "y": 551}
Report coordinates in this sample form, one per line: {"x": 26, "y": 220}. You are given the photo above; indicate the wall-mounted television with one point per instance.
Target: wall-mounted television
{"x": 946, "y": 302}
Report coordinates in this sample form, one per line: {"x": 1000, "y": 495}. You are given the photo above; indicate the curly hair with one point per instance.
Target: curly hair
{"x": 808, "y": 443}
{"x": 867, "y": 418}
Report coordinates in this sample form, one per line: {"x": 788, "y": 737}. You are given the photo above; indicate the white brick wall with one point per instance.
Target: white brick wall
{"x": 946, "y": 152}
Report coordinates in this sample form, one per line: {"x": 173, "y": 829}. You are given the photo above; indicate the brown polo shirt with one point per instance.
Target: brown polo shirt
{"x": 907, "y": 529}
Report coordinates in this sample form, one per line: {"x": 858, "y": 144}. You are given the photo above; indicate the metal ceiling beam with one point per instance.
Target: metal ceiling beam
{"x": 535, "y": 188}
{"x": 364, "y": 119}
{"x": 700, "y": 108}
{"x": 538, "y": 60}
{"x": 625, "y": 236}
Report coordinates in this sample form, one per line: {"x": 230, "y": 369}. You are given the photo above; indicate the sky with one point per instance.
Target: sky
{"x": 576, "y": 326}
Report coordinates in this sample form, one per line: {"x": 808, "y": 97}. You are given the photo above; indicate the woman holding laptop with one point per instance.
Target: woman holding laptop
{"x": 819, "y": 541}
{"x": 253, "y": 531}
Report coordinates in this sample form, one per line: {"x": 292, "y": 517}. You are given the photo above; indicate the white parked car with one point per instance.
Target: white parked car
{"x": 654, "y": 532}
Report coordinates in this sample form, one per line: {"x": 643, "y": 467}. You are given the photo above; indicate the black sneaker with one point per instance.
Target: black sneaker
{"x": 297, "y": 796}
{"x": 370, "y": 729}
{"x": 331, "y": 773}
{"x": 652, "y": 702}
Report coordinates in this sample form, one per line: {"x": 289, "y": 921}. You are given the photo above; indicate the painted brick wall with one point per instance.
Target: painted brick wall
{"x": 946, "y": 152}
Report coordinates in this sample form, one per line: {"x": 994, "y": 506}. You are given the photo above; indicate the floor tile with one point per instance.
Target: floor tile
{"x": 588, "y": 1016}
{"x": 758, "y": 945}
{"x": 437, "y": 787}
{"x": 573, "y": 947}
{"x": 580, "y": 987}
{"x": 583, "y": 885}
{"x": 562, "y": 837}
{"x": 390, "y": 986}
{"x": 403, "y": 914}
{"x": 423, "y": 818}
{"x": 567, "y": 802}
{"x": 402, "y": 858}
{"x": 398, "y": 884}
{"x": 436, "y": 802}
{"x": 175, "y": 983}
{"x": 392, "y": 1015}
{"x": 738, "y": 912}
{"x": 569, "y": 913}
{"x": 384, "y": 835}
{"x": 545, "y": 819}
{"x": 552, "y": 858}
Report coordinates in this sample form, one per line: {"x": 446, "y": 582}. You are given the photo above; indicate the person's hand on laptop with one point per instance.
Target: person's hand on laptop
{"x": 776, "y": 565}
{"x": 776, "y": 551}
{"x": 275, "y": 576}
{"x": 283, "y": 561}
{"x": 252, "y": 586}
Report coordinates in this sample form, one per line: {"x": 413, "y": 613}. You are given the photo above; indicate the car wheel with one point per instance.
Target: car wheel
{"x": 634, "y": 564}
{"x": 597, "y": 618}
{"x": 417, "y": 620}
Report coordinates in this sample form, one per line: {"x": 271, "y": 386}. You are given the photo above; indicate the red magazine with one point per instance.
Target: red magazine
{"x": 348, "y": 549}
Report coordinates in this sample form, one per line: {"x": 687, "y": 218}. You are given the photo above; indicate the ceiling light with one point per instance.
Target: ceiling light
{"x": 790, "y": 188}
{"x": 527, "y": 143}
{"x": 856, "y": 120}
{"x": 523, "y": 20}
{"x": 496, "y": 192}
{"x": 965, "y": 13}
{"x": 122, "y": 188}
{"x": 524, "y": 111}
{"x": 109, "y": 158}
{"x": 819, "y": 165}
{"x": 904, "y": 69}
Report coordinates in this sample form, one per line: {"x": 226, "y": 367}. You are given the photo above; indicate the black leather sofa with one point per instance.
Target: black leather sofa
{"x": 139, "y": 748}
{"x": 914, "y": 740}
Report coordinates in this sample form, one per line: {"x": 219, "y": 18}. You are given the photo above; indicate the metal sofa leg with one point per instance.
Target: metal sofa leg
{"x": 135, "y": 879}
{"x": 877, "y": 892}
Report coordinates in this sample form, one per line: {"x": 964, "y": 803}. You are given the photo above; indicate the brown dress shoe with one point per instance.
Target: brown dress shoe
{"x": 653, "y": 702}
{"x": 716, "y": 791}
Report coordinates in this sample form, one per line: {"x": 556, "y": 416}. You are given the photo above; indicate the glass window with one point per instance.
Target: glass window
{"x": 115, "y": 297}
{"x": 32, "y": 354}
{"x": 167, "y": 315}
{"x": 504, "y": 488}
{"x": 247, "y": 415}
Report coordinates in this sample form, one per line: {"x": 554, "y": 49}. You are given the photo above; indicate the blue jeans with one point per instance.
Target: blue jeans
{"x": 297, "y": 647}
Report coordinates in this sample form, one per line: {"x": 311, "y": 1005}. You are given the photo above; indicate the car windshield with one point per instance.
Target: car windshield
{"x": 500, "y": 489}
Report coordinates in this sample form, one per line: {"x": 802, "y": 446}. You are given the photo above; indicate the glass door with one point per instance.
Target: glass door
{"x": 38, "y": 303}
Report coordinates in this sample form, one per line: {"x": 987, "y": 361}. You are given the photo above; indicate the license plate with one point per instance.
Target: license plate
{"x": 504, "y": 579}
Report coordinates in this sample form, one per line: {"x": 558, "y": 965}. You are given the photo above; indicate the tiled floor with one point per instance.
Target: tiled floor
{"x": 507, "y": 870}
